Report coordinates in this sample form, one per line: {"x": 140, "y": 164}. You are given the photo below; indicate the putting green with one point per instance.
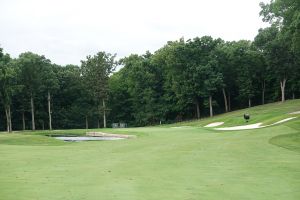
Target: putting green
{"x": 190, "y": 162}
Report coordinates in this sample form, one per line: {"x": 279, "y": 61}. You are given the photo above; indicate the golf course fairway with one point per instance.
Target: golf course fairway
{"x": 188, "y": 162}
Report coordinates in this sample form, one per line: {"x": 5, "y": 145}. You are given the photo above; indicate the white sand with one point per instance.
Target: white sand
{"x": 245, "y": 127}
{"x": 295, "y": 113}
{"x": 214, "y": 124}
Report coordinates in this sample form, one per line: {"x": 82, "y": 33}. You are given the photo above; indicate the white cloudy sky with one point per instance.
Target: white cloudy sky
{"x": 66, "y": 31}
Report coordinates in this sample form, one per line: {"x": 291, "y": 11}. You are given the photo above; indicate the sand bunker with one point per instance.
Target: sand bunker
{"x": 245, "y": 127}
{"x": 295, "y": 113}
{"x": 214, "y": 124}
{"x": 253, "y": 126}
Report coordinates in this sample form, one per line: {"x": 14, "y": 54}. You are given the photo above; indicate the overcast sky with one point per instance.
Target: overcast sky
{"x": 66, "y": 31}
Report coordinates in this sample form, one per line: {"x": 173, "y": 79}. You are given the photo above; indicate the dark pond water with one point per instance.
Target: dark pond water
{"x": 84, "y": 138}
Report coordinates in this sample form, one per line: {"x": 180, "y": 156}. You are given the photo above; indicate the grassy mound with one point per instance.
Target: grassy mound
{"x": 288, "y": 141}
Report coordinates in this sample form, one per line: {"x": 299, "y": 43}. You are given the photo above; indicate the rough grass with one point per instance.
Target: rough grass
{"x": 161, "y": 163}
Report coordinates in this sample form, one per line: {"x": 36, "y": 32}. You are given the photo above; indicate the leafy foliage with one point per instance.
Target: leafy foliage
{"x": 180, "y": 81}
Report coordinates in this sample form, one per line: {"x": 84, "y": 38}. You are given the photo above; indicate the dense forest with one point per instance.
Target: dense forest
{"x": 185, "y": 79}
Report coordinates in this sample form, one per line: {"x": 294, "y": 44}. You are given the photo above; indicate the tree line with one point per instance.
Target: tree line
{"x": 185, "y": 79}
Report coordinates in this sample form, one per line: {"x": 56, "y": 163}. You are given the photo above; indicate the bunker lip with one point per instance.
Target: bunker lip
{"x": 214, "y": 124}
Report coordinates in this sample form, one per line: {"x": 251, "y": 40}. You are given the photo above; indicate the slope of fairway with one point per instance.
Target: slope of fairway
{"x": 266, "y": 114}
{"x": 161, "y": 163}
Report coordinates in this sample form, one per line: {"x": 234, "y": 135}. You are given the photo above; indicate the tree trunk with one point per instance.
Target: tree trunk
{"x": 249, "y": 103}
{"x": 293, "y": 95}
{"x": 104, "y": 114}
{"x": 43, "y": 125}
{"x": 8, "y": 119}
{"x": 10, "y": 124}
{"x": 49, "y": 111}
{"x": 229, "y": 101}
{"x": 32, "y": 113}
{"x": 225, "y": 100}
{"x": 198, "y": 109}
{"x": 23, "y": 121}
{"x": 98, "y": 123}
{"x": 282, "y": 87}
{"x": 86, "y": 122}
{"x": 210, "y": 106}
{"x": 263, "y": 92}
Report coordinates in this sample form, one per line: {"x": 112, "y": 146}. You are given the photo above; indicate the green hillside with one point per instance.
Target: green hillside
{"x": 267, "y": 114}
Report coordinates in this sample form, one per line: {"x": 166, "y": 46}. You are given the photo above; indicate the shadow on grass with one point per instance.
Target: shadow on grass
{"x": 29, "y": 140}
{"x": 287, "y": 141}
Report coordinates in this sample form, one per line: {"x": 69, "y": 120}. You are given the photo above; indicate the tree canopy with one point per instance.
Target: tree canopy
{"x": 184, "y": 79}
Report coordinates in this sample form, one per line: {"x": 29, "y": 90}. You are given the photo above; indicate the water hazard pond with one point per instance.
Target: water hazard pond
{"x": 92, "y": 136}
{"x": 85, "y": 138}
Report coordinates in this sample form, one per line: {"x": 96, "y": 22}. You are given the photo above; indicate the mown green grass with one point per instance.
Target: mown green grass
{"x": 161, "y": 163}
